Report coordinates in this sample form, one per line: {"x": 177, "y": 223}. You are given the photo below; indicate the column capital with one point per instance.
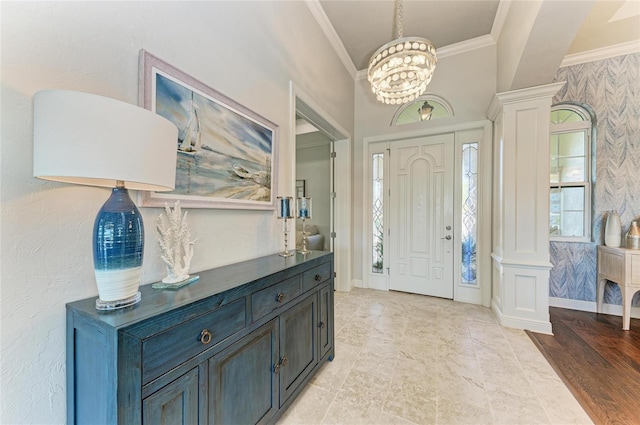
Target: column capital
{"x": 500, "y": 100}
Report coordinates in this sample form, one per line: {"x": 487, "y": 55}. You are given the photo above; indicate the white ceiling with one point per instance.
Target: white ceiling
{"x": 365, "y": 25}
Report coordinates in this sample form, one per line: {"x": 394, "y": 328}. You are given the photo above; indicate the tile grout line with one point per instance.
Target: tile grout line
{"x": 544, "y": 409}
{"x": 484, "y": 379}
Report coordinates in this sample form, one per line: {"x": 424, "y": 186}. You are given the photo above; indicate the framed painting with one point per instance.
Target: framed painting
{"x": 227, "y": 154}
{"x": 300, "y": 188}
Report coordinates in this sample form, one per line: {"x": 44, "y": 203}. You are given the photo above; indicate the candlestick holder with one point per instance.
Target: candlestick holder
{"x": 304, "y": 213}
{"x": 285, "y": 213}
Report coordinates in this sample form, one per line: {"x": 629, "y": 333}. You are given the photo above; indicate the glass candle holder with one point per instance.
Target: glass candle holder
{"x": 303, "y": 208}
{"x": 285, "y": 212}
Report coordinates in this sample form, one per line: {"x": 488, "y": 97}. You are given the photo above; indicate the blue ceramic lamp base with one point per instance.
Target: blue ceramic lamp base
{"x": 118, "y": 244}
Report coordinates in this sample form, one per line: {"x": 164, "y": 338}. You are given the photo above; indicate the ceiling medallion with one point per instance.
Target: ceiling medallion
{"x": 400, "y": 70}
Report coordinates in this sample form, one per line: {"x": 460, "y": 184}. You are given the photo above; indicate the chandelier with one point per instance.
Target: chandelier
{"x": 400, "y": 70}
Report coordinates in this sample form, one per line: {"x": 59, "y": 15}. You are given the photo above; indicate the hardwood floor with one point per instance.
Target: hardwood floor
{"x": 598, "y": 361}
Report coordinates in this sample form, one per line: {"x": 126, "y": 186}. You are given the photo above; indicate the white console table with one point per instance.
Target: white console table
{"x": 621, "y": 266}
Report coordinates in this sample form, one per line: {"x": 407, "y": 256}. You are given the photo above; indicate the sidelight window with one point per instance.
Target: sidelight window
{"x": 469, "y": 213}
{"x": 377, "y": 206}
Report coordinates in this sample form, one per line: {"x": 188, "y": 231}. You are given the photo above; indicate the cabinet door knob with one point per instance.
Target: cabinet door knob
{"x": 283, "y": 361}
{"x": 318, "y": 278}
{"x": 280, "y": 297}
{"x": 321, "y": 325}
{"x": 205, "y": 336}
{"x": 276, "y": 368}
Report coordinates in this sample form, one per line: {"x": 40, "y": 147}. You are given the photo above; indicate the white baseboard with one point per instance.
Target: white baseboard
{"x": 590, "y": 306}
{"x": 378, "y": 287}
{"x": 519, "y": 323}
{"x": 357, "y": 283}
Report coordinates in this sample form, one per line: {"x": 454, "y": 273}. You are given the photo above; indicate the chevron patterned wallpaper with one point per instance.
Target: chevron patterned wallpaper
{"x": 611, "y": 88}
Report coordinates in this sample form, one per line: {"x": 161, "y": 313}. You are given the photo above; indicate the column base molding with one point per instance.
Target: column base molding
{"x": 520, "y": 323}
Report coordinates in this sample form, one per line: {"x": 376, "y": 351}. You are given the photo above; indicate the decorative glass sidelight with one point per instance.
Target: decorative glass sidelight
{"x": 377, "y": 186}
{"x": 469, "y": 213}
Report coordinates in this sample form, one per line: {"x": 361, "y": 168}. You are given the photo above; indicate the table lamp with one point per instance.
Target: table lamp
{"x": 86, "y": 139}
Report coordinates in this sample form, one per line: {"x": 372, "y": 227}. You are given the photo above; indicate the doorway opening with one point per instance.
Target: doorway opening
{"x": 323, "y": 152}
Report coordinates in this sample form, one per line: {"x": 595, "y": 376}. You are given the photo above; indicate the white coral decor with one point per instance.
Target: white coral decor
{"x": 176, "y": 248}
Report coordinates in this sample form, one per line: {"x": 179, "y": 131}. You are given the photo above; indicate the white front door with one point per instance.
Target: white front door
{"x": 421, "y": 210}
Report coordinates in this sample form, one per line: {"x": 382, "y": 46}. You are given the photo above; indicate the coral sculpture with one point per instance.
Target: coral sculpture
{"x": 176, "y": 248}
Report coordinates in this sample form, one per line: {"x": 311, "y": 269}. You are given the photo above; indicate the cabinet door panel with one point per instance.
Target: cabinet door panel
{"x": 326, "y": 316}
{"x": 242, "y": 386}
{"x": 177, "y": 403}
{"x": 298, "y": 344}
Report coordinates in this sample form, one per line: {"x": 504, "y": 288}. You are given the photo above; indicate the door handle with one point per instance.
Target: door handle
{"x": 447, "y": 238}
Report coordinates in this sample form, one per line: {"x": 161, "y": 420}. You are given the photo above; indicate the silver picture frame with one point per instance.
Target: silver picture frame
{"x": 227, "y": 154}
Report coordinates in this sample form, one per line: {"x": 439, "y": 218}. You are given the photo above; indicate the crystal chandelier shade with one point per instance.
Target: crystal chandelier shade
{"x": 400, "y": 70}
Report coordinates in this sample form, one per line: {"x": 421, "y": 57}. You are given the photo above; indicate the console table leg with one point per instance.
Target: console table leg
{"x": 600, "y": 294}
{"x": 627, "y": 296}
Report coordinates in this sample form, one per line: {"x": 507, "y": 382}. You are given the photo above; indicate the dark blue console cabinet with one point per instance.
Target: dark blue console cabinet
{"x": 236, "y": 347}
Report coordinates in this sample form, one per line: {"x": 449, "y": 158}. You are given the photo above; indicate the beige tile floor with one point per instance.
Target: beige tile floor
{"x": 408, "y": 359}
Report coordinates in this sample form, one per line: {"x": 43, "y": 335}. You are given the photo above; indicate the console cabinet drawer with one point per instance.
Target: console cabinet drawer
{"x": 316, "y": 276}
{"x": 176, "y": 345}
{"x": 268, "y": 299}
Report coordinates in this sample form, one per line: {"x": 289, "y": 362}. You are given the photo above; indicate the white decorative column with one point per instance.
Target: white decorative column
{"x": 520, "y": 289}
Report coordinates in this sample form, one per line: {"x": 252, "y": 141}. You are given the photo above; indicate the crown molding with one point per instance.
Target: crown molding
{"x": 466, "y": 46}
{"x": 494, "y": 109}
{"x": 602, "y": 53}
{"x": 323, "y": 21}
{"x": 529, "y": 93}
{"x": 500, "y": 19}
{"x": 500, "y": 100}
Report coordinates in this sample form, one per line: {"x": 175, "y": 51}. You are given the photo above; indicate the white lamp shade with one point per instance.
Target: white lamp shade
{"x": 92, "y": 140}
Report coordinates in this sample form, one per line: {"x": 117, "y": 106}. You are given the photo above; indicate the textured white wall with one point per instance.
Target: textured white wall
{"x": 247, "y": 50}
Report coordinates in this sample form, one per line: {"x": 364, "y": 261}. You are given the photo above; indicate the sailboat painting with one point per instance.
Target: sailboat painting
{"x": 226, "y": 153}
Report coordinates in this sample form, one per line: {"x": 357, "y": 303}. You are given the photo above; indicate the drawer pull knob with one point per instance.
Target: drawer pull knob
{"x": 280, "y": 297}
{"x": 283, "y": 361}
{"x": 318, "y": 278}
{"x": 205, "y": 336}
{"x": 321, "y": 325}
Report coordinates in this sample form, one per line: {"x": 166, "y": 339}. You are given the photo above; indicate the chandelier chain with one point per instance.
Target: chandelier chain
{"x": 399, "y": 18}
